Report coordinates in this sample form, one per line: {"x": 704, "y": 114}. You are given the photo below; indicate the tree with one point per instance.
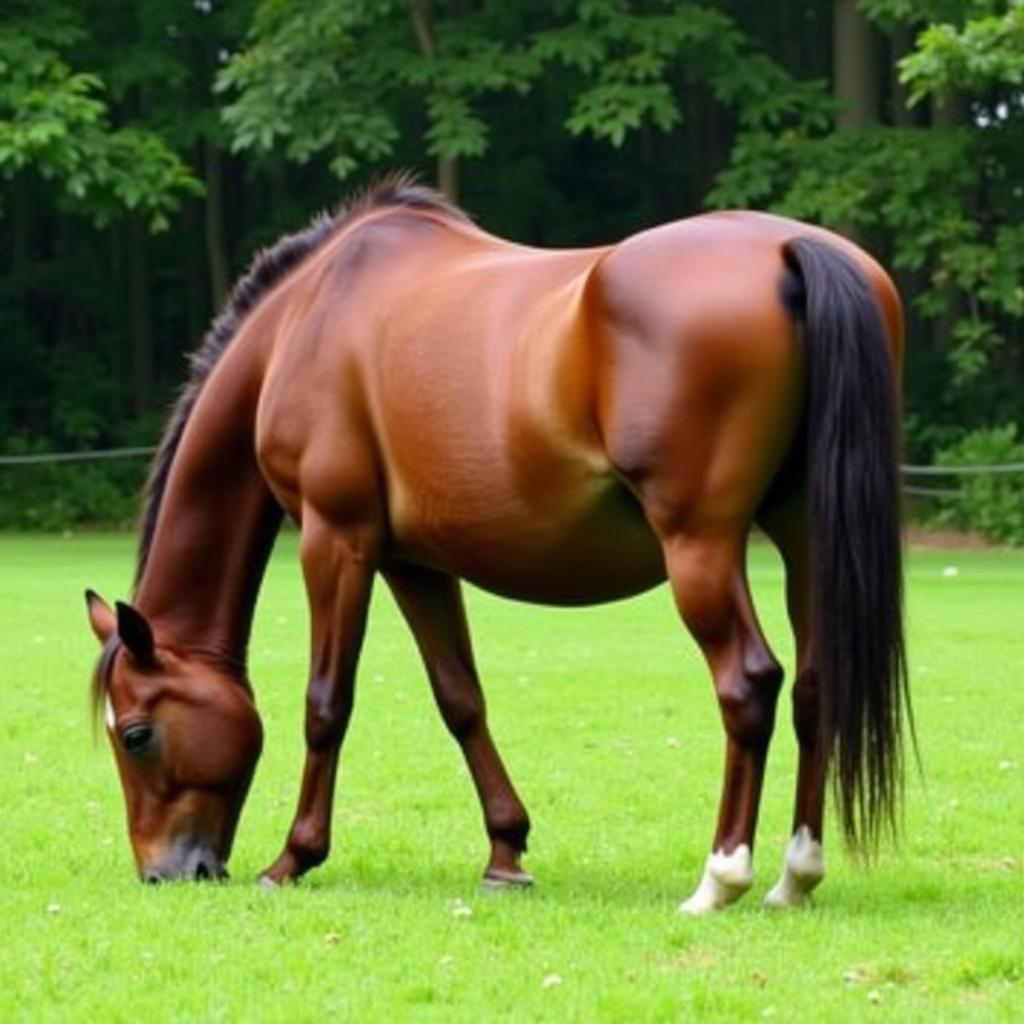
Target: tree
{"x": 54, "y": 123}
{"x": 856, "y": 66}
{"x": 338, "y": 78}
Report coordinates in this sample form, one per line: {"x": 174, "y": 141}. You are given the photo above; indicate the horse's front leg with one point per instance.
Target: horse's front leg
{"x": 709, "y": 584}
{"x": 432, "y": 605}
{"x": 338, "y": 565}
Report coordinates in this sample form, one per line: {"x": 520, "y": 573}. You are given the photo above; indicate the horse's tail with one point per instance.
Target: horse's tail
{"x": 856, "y": 581}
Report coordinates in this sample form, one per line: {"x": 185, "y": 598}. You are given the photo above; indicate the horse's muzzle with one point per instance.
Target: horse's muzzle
{"x": 194, "y": 862}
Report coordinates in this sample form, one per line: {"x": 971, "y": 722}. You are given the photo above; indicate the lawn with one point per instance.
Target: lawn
{"x": 607, "y": 722}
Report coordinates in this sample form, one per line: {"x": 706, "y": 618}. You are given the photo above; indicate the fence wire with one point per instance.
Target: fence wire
{"x": 44, "y": 458}
{"x": 999, "y": 467}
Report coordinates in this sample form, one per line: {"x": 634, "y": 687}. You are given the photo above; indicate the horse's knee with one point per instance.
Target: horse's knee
{"x": 805, "y": 708}
{"x": 747, "y": 698}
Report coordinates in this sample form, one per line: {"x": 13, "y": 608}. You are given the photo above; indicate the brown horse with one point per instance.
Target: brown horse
{"x": 429, "y": 402}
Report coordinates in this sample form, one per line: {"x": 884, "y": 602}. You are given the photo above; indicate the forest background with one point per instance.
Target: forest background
{"x": 148, "y": 149}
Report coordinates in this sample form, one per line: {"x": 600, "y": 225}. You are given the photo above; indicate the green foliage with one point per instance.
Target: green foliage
{"x": 986, "y": 52}
{"x": 301, "y": 83}
{"x": 868, "y": 177}
{"x": 990, "y": 503}
{"x": 55, "y": 123}
{"x": 631, "y": 60}
{"x": 79, "y": 398}
{"x": 625, "y": 59}
{"x": 64, "y": 496}
{"x": 916, "y": 12}
{"x": 334, "y": 77}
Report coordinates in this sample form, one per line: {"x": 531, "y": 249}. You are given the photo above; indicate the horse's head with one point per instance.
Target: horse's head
{"x": 186, "y": 738}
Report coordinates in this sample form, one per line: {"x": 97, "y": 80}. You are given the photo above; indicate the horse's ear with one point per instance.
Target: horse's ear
{"x": 101, "y": 616}
{"x": 135, "y": 633}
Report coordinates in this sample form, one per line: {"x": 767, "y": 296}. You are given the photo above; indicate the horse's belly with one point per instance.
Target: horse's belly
{"x": 572, "y": 555}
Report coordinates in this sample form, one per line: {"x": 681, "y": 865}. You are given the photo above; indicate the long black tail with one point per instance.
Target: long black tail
{"x": 853, "y": 439}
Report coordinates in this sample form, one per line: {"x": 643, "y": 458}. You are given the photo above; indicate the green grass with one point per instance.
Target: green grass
{"x": 607, "y": 722}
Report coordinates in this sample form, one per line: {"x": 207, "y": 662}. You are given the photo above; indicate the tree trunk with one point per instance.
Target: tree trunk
{"x": 854, "y": 74}
{"x": 116, "y": 244}
{"x": 19, "y": 214}
{"x": 855, "y": 65}
{"x": 448, "y": 177}
{"x": 947, "y": 114}
{"x": 447, "y": 166}
{"x": 213, "y": 209}
{"x": 901, "y": 42}
{"x": 197, "y": 288}
{"x": 142, "y": 362}
{"x": 20, "y": 217}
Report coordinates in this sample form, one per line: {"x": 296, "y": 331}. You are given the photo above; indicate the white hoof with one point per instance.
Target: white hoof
{"x": 727, "y": 876}
{"x": 802, "y": 870}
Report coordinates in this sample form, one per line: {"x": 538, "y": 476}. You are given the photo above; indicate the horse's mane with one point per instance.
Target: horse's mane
{"x": 267, "y": 269}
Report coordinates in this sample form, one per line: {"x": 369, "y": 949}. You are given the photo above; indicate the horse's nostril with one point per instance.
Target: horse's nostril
{"x": 152, "y": 877}
{"x": 202, "y": 871}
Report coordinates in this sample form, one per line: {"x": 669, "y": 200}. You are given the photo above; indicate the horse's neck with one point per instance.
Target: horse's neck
{"x": 216, "y": 524}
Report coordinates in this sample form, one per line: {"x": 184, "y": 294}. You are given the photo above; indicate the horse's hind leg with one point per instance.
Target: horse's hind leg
{"x": 432, "y": 605}
{"x": 709, "y": 584}
{"x": 804, "y": 863}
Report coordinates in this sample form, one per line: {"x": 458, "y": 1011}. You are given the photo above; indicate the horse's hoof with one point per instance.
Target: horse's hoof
{"x": 802, "y": 870}
{"x": 726, "y": 878}
{"x": 277, "y": 876}
{"x": 505, "y": 878}
{"x": 783, "y": 898}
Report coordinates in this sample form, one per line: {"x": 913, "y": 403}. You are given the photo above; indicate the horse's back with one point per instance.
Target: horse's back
{"x": 520, "y": 417}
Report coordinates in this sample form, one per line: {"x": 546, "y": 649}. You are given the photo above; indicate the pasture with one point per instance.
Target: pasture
{"x": 609, "y": 728}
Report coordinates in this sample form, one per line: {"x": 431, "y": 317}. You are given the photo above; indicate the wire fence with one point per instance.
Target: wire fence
{"x": 909, "y": 471}
{"x": 998, "y": 467}
{"x": 45, "y": 458}
{"x": 912, "y": 473}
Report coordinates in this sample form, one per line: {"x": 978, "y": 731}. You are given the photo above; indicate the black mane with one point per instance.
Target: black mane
{"x": 268, "y": 268}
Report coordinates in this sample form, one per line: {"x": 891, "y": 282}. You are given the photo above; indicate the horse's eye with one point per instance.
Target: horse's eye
{"x": 137, "y": 738}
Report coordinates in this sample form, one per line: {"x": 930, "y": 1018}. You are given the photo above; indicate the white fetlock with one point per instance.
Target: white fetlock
{"x": 802, "y": 870}
{"x": 727, "y": 876}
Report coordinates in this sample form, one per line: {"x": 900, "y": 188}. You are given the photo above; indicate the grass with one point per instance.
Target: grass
{"x": 606, "y": 720}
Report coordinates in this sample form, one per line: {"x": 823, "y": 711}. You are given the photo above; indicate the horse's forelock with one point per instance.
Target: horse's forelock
{"x": 101, "y": 678}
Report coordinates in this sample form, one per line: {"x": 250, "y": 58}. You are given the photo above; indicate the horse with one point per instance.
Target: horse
{"x": 430, "y": 403}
